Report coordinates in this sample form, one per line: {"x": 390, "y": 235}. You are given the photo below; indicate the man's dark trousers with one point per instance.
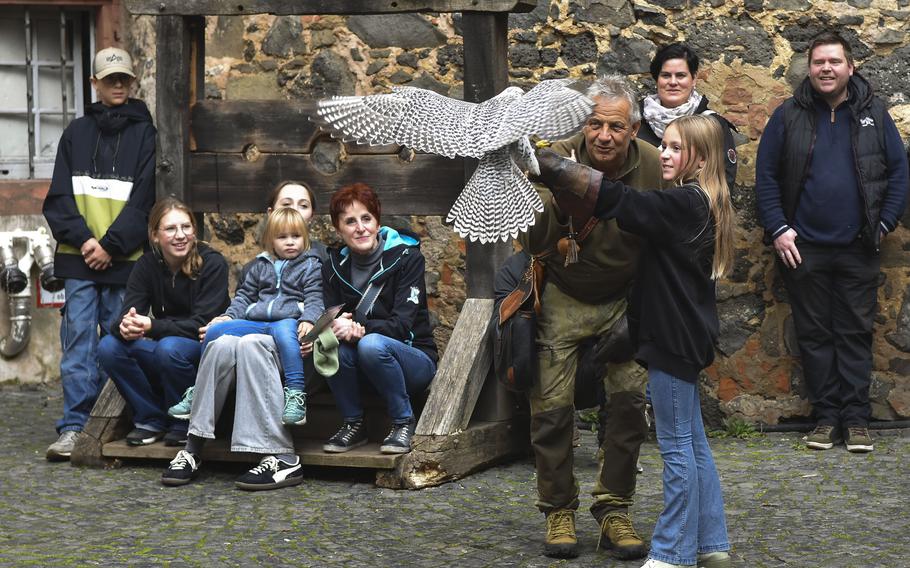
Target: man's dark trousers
{"x": 833, "y": 296}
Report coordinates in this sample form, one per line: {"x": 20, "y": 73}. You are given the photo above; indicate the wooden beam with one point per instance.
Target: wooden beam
{"x": 435, "y": 460}
{"x": 109, "y": 420}
{"x": 270, "y": 126}
{"x": 180, "y": 57}
{"x": 319, "y": 7}
{"x": 228, "y": 183}
{"x": 486, "y": 50}
{"x": 461, "y": 372}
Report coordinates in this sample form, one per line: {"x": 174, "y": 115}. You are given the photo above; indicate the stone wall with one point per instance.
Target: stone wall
{"x": 753, "y": 52}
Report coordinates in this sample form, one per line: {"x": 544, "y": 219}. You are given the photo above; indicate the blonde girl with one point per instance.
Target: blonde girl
{"x": 687, "y": 234}
{"x": 280, "y": 296}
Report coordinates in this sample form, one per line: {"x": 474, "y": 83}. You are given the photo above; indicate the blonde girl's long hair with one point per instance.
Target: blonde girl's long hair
{"x": 284, "y": 219}
{"x": 192, "y": 266}
{"x": 703, "y": 139}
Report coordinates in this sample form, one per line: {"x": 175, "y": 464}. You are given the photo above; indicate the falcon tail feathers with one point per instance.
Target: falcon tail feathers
{"x": 497, "y": 203}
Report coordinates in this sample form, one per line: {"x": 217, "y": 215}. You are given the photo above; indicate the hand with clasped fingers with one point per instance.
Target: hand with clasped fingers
{"x": 346, "y": 329}
{"x": 94, "y": 255}
{"x": 785, "y": 246}
{"x": 133, "y": 325}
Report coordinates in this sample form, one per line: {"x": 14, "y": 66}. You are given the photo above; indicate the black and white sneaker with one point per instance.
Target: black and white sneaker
{"x": 271, "y": 473}
{"x": 351, "y": 435}
{"x": 175, "y": 439}
{"x": 399, "y": 439}
{"x": 143, "y": 437}
{"x": 183, "y": 469}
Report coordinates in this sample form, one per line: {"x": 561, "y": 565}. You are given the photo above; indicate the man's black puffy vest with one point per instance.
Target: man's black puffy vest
{"x": 868, "y": 141}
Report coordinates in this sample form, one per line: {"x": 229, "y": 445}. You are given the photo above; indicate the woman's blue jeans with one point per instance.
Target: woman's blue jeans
{"x": 284, "y": 332}
{"x": 152, "y": 376}
{"x": 394, "y": 370}
{"x": 693, "y": 517}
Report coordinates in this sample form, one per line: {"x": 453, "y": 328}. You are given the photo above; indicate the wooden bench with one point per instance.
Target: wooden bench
{"x": 210, "y": 150}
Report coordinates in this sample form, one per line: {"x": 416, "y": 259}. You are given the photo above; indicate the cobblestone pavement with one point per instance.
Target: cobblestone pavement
{"x": 786, "y": 506}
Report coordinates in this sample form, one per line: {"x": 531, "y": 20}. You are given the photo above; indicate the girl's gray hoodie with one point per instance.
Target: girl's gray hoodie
{"x": 268, "y": 293}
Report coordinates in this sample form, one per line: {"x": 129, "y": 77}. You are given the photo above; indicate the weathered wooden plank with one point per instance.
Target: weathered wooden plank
{"x": 310, "y": 452}
{"x": 461, "y": 372}
{"x": 228, "y": 183}
{"x": 316, "y": 7}
{"x": 486, "y": 49}
{"x": 270, "y": 126}
{"x": 180, "y": 56}
{"x": 435, "y": 460}
{"x": 108, "y": 421}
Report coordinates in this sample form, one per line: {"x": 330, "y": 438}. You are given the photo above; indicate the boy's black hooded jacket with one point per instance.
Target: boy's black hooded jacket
{"x": 115, "y": 145}
{"x": 180, "y": 305}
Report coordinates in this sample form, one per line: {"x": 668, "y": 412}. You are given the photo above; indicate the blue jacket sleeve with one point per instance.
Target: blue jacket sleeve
{"x": 311, "y": 283}
{"x": 767, "y": 188}
{"x": 895, "y": 200}
{"x": 128, "y": 231}
{"x": 63, "y": 217}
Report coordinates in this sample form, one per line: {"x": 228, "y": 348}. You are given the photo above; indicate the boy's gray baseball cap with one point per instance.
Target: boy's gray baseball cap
{"x": 112, "y": 60}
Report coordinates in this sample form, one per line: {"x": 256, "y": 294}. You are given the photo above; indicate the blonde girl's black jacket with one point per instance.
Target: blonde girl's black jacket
{"x": 673, "y": 307}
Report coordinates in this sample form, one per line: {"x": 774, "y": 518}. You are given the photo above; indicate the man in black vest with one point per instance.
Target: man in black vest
{"x": 831, "y": 182}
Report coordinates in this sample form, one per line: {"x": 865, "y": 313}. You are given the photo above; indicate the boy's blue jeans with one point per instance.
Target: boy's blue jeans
{"x": 393, "y": 368}
{"x": 89, "y": 305}
{"x": 152, "y": 376}
{"x": 284, "y": 332}
{"x": 693, "y": 517}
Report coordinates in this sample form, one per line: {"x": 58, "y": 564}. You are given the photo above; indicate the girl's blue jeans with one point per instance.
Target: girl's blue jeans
{"x": 284, "y": 332}
{"x": 152, "y": 376}
{"x": 692, "y": 521}
{"x": 391, "y": 367}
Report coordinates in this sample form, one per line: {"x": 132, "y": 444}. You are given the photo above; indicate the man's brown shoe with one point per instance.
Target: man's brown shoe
{"x": 824, "y": 437}
{"x": 859, "y": 440}
{"x": 561, "y": 540}
{"x": 619, "y": 537}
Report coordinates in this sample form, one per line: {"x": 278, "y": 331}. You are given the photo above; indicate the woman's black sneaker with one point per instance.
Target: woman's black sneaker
{"x": 271, "y": 473}
{"x": 351, "y": 435}
{"x": 175, "y": 439}
{"x": 399, "y": 439}
{"x": 143, "y": 437}
{"x": 182, "y": 469}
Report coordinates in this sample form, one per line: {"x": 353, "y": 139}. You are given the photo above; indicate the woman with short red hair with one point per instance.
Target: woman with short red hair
{"x": 385, "y": 335}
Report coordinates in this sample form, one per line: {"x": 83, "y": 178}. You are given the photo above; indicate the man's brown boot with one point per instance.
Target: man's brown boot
{"x": 619, "y": 537}
{"x": 561, "y": 540}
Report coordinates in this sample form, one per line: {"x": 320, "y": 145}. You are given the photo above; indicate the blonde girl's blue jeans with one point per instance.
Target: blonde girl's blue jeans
{"x": 693, "y": 520}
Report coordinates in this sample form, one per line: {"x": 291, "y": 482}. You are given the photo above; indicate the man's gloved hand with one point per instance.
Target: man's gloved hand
{"x": 563, "y": 174}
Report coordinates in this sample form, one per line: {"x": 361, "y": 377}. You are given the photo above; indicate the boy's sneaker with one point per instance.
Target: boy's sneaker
{"x": 175, "y": 439}
{"x": 181, "y": 410}
{"x": 351, "y": 435}
{"x": 859, "y": 440}
{"x": 399, "y": 439}
{"x": 143, "y": 437}
{"x": 63, "y": 447}
{"x": 271, "y": 473}
{"x": 183, "y": 469}
{"x": 294, "y": 407}
{"x": 823, "y": 437}
{"x": 651, "y": 563}
{"x": 561, "y": 541}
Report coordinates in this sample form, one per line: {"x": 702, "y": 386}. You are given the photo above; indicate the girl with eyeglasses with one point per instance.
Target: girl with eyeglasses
{"x": 153, "y": 360}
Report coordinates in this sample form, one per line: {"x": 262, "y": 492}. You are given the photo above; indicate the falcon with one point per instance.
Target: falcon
{"x": 498, "y": 201}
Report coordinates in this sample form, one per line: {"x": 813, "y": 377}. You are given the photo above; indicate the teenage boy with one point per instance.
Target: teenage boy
{"x": 97, "y": 208}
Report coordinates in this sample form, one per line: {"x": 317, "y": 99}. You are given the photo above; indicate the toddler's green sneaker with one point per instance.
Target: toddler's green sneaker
{"x": 181, "y": 410}
{"x": 294, "y": 407}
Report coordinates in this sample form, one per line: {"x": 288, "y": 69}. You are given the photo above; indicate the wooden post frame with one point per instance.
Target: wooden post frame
{"x": 203, "y": 159}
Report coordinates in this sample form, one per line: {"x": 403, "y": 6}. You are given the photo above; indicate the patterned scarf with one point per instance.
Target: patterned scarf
{"x": 659, "y": 116}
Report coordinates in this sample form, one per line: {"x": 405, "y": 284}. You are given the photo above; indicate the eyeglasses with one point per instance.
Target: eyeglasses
{"x": 171, "y": 230}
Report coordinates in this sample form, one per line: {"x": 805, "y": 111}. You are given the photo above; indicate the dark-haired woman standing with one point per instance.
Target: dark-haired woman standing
{"x": 675, "y": 69}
